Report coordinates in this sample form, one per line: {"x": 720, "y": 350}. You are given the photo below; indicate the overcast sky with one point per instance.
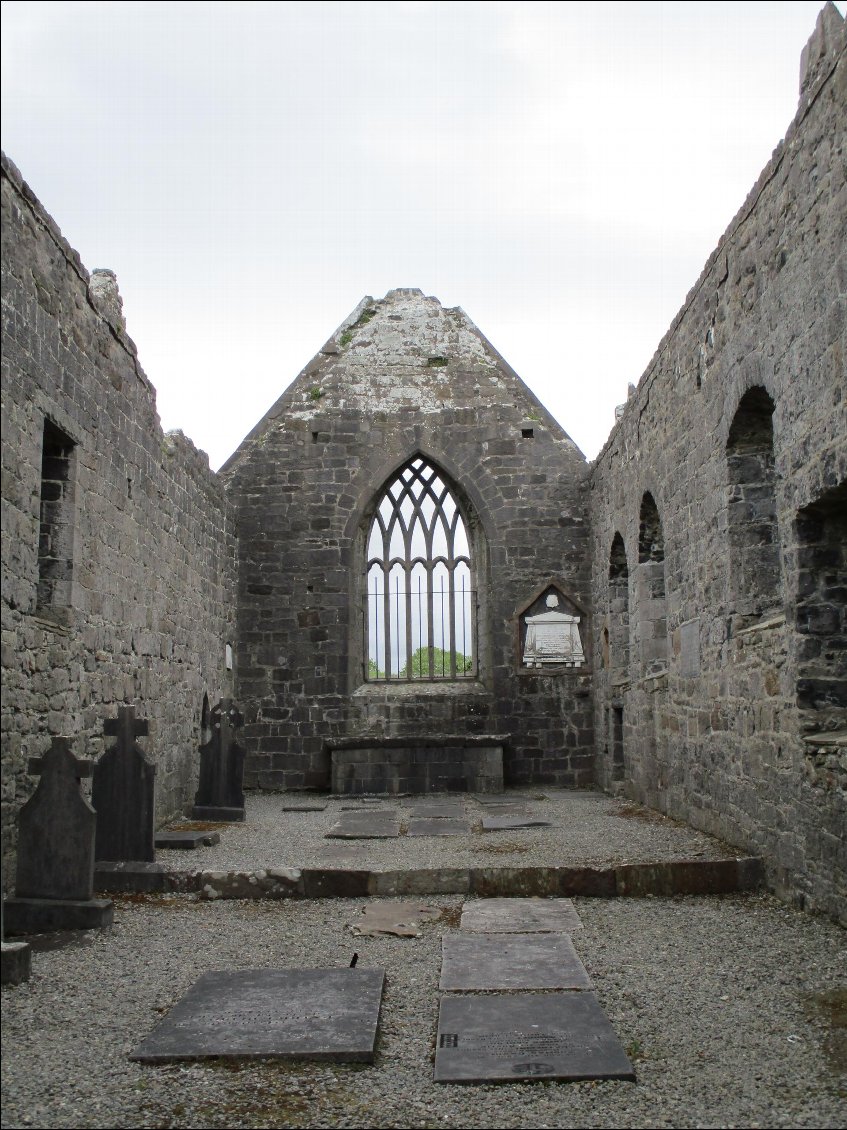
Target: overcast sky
{"x": 251, "y": 171}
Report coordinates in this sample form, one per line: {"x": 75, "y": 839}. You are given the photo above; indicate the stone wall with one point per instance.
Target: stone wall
{"x": 404, "y": 376}
{"x": 118, "y": 568}
{"x": 738, "y": 433}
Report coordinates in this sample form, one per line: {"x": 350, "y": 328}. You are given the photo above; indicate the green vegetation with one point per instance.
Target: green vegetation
{"x": 316, "y": 392}
{"x": 437, "y": 362}
{"x": 441, "y": 664}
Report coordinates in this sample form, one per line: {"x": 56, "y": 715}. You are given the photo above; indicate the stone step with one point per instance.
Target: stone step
{"x": 638, "y": 880}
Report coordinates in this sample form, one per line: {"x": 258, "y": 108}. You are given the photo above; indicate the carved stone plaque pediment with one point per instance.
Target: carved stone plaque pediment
{"x": 552, "y": 638}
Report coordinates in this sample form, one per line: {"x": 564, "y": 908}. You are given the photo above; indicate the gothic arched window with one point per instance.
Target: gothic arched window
{"x": 421, "y": 603}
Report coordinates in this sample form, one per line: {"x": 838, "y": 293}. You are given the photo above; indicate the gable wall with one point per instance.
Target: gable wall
{"x": 301, "y": 487}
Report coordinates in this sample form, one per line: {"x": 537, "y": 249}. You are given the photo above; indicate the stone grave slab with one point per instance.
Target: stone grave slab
{"x": 510, "y": 823}
{"x": 520, "y": 916}
{"x": 448, "y": 810}
{"x": 376, "y": 825}
{"x": 321, "y": 1014}
{"x": 510, "y": 961}
{"x": 399, "y": 919}
{"x": 305, "y": 806}
{"x": 186, "y": 841}
{"x": 505, "y": 810}
{"x": 507, "y": 1037}
{"x": 438, "y": 826}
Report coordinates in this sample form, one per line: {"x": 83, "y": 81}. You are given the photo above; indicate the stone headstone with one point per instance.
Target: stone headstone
{"x": 520, "y": 916}
{"x": 321, "y": 1014}
{"x": 55, "y": 869}
{"x": 56, "y": 830}
{"x": 378, "y": 824}
{"x": 123, "y": 793}
{"x": 511, "y": 961}
{"x": 506, "y": 1037}
{"x": 220, "y": 791}
{"x": 438, "y": 826}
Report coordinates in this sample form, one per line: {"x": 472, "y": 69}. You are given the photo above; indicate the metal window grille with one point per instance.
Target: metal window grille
{"x": 420, "y": 613}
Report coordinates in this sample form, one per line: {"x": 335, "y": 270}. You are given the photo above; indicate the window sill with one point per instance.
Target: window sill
{"x": 422, "y": 688}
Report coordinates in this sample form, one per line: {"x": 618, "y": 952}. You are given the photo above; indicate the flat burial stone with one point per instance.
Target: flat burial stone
{"x": 186, "y": 841}
{"x": 517, "y": 916}
{"x": 438, "y": 826}
{"x": 325, "y": 1014}
{"x": 305, "y": 806}
{"x": 506, "y": 1037}
{"x": 508, "y": 823}
{"x": 514, "y": 961}
{"x": 438, "y": 811}
{"x": 377, "y": 825}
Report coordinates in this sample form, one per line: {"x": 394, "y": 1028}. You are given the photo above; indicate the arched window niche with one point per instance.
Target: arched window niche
{"x": 651, "y": 606}
{"x": 755, "y": 580}
{"x": 618, "y": 615}
{"x": 420, "y": 600}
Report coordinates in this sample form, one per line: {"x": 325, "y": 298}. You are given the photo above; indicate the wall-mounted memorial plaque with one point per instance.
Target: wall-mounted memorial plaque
{"x": 552, "y": 637}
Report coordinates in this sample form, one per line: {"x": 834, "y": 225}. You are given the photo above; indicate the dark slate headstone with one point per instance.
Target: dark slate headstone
{"x": 511, "y": 1036}
{"x": 220, "y": 792}
{"x": 510, "y": 961}
{"x": 520, "y": 915}
{"x": 379, "y": 824}
{"x": 321, "y": 1014}
{"x": 123, "y": 793}
{"x": 438, "y": 826}
{"x": 56, "y": 830}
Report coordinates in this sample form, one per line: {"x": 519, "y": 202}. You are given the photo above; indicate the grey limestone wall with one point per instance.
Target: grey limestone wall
{"x": 738, "y": 431}
{"x": 404, "y": 376}
{"x": 118, "y": 566}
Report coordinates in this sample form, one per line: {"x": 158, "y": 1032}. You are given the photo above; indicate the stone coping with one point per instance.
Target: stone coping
{"x": 639, "y": 880}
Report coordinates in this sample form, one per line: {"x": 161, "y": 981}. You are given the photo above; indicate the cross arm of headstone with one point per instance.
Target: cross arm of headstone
{"x": 60, "y": 759}
{"x": 126, "y": 726}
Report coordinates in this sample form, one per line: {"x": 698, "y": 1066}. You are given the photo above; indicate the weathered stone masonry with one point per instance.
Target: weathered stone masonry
{"x": 118, "y": 565}
{"x": 738, "y": 430}
{"x": 704, "y": 552}
{"x": 404, "y": 376}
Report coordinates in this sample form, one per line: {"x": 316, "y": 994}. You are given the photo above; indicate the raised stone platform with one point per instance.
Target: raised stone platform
{"x": 425, "y": 764}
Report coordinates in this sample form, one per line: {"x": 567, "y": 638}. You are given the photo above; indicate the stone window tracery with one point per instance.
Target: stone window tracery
{"x": 420, "y": 616}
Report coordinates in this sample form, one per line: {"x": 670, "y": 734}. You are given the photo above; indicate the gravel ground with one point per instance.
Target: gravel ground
{"x": 731, "y": 1008}
{"x": 587, "y": 828}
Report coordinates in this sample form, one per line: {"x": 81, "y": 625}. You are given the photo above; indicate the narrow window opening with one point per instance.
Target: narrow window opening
{"x": 821, "y": 612}
{"x": 618, "y": 630}
{"x": 651, "y": 605}
{"x": 753, "y": 532}
{"x": 527, "y": 433}
{"x": 618, "y": 764}
{"x": 56, "y": 520}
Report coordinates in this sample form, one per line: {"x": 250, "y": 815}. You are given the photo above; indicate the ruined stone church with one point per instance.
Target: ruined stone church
{"x": 410, "y": 579}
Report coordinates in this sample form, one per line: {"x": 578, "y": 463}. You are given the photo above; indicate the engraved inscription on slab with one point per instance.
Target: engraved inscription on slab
{"x": 526, "y": 1036}
{"x": 553, "y": 638}
{"x": 329, "y": 1014}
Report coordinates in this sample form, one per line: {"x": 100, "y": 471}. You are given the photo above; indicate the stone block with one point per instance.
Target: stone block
{"x": 315, "y": 1014}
